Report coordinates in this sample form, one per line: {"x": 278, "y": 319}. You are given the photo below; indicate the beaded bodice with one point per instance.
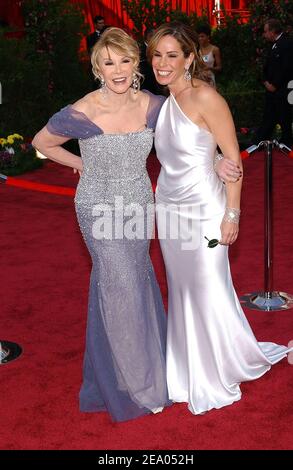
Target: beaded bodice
{"x": 113, "y": 164}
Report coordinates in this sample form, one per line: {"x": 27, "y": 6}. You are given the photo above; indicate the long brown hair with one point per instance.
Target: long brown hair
{"x": 188, "y": 41}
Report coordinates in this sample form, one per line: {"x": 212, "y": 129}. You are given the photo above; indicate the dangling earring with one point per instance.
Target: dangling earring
{"x": 135, "y": 83}
{"x": 102, "y": 81}
{"x": 103, "y": 88}
{"x": 187, "y": 75}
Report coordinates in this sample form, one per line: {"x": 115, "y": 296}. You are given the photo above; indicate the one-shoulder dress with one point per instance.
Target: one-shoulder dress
{"x": 211, "y": 348}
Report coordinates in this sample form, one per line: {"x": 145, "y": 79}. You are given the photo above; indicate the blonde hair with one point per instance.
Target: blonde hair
{"x": 120, "y": 42}
{"x": 188, "y": 41}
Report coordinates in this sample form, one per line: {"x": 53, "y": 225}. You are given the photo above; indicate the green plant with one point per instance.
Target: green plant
{"x": 17, "y": 157}
{"x": 246, "y": 105}
{"x": 43, "y": 70}
{"x": 262, "y": 10}
{"x": 238, "y": 51}
{"x": 147, "y": 14}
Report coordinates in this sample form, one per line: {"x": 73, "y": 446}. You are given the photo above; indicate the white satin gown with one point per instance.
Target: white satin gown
{"x": 211, "y": 348}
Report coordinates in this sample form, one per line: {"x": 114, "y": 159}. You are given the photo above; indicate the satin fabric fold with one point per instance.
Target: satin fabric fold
{"x": 211, "y": 348}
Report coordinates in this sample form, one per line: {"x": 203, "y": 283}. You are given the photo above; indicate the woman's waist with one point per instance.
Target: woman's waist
{"x": 199, "y": 208}
{"x": 137, "y": 191}
{"x": 179, "y": 175}
{"x": 194, "y": 191}
{"x": 192, "y": 180}
{"x": 93, "y": 176}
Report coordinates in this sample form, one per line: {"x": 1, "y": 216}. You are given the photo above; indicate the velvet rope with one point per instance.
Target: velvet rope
{"x": 43, "y": 188}
{"x": 245, "y": 153}
{"x": 64, "y": 191}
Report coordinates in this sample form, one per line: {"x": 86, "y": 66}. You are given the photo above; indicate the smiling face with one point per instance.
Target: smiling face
{"x": 168, "y": 61}
{"x": 116, "y": 69}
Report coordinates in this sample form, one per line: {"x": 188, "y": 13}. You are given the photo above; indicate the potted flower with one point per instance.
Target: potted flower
{"x": 17, "y": 156}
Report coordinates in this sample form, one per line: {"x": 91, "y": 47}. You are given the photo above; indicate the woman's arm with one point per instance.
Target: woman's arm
{"x": 218, "y": 60}
{"x": 50, "y": 145}
{"x": 215, "y": 112}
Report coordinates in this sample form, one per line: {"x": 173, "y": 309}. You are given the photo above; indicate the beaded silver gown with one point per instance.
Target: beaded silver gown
{"x": 124, "y": 362}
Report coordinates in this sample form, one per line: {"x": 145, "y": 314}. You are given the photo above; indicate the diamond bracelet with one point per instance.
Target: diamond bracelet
{"x": 232, "y": 215}
{"x": 217, "y": 158}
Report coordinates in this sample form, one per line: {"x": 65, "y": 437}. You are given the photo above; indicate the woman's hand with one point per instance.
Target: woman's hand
{"x": 77, "y": 171}
{"x": 228, "y": 170}
{"x": 229, "y": 232}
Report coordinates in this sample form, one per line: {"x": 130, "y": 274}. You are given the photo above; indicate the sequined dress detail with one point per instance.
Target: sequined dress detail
{"x": 124, "y": 362}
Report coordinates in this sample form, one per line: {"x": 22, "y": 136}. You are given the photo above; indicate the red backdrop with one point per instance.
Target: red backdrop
{"x": 112, "y": 10}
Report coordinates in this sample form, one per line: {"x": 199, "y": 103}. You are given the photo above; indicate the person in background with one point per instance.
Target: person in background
{"x": 91, "y": 40}
{"x": 99, "y": 23}
{"x": 278, "y": 72}
{"x": 210, "y": 53}
{"x": 149, "y": 82}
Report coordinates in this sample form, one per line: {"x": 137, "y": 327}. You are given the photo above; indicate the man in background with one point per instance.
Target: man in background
{"x": 278, "y": 72}
{"x": 92, "y": 38}
{"x": 149, "y": 83}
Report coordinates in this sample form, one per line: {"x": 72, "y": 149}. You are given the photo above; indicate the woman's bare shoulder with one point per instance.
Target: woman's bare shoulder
{"x": 85, "y": 103}
{"x": 211, "y": 102}
{"x": 204, "y": 97}
{"x": 215, "y": 48}
{"x": 143, "y": 98}
{"x": 201, "y": 90}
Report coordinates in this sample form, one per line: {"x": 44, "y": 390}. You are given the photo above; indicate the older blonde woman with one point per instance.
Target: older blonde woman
{"x": 124, "y": 362}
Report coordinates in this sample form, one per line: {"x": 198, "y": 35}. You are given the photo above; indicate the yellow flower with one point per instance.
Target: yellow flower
{"x": 17, "y": 136}
{"x": 10, "y": 140}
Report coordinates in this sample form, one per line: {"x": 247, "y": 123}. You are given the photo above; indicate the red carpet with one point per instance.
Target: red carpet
{"x": 44, "y": 283}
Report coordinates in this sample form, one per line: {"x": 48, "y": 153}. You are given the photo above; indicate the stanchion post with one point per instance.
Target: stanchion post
{"x": 268, "y": 299}
{"x": 9, "y": 351}
{"x": 268, "y": 219}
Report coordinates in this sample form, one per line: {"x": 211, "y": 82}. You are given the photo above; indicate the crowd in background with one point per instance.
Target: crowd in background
{"x": 277, "y": 73}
